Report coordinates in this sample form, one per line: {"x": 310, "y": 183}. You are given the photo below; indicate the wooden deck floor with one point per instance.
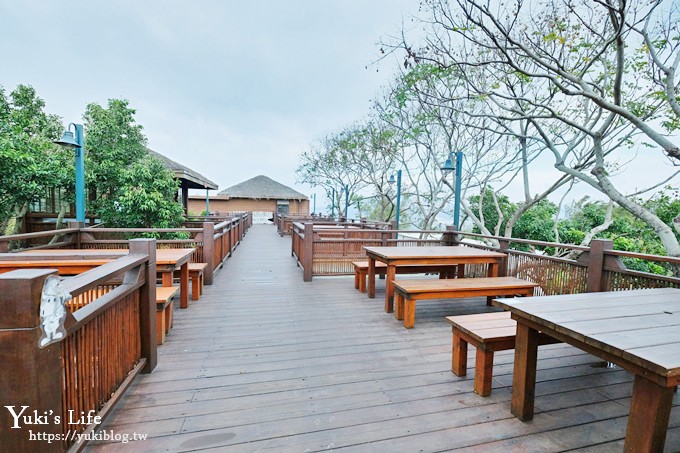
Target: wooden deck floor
{"x": 265, "y": 362}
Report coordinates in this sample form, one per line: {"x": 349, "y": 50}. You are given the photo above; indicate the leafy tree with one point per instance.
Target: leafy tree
{"x": 28, "y": 157}
{"x": 144, "y": 201}
{"x": 113, "y": 142}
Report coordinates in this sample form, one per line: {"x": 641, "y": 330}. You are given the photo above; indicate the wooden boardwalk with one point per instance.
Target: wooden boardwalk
{"x": 265, "y": 362}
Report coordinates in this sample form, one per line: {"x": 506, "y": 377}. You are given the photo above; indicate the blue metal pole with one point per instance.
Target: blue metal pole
{"x": 314, "y": 210}
{"x": 80, "y": 173}
{"x": 459, "y": 177}
{"x": 398, "y": 197}
{"x": 207, "y": 203}
{"x": 346, "y": 201}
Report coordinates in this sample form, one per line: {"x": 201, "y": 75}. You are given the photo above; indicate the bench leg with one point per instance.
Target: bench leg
{"x": 160, "y": 327}
{"x": 362, "y": 281}
{"x": 409, "y": 313}
{"x": 195, "y": 287}
{"x": 483, "y": 372}
{"x": 459, "y": 355}
{"x": 169, "y": 316}
{"x": 356, "y": 279}
{"x": 399, "y": 309}
{"x": 200, "y": 288}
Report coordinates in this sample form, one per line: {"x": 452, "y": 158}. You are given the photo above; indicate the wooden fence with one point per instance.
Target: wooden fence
{"x": 210, "y": 239}
{"x": 321, "y": 250}
{"x": 109, "y": 337}
{"x": 284, "y": 223}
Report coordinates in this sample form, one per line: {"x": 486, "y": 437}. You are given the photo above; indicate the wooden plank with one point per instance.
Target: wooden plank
{"x": 416, "y": 286}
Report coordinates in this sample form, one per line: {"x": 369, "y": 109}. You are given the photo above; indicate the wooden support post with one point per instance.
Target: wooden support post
{"x": 208, "y": 251}
{"x": 293, "y": 242}
{"x": 30, "y": 376}
{"x": 147, "y": 302}
{"x": 504, "y": 247}
{"x": 75, "y": 240}
{"x": 307, "y": 254}
{"x": 650, "y": 411}
{"x": 596, "y": 259}
{"x": 449, "y": 235}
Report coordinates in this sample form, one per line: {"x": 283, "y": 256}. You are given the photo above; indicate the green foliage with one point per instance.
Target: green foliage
{"x": 113, "y": 142}
{"x": 29, "y": 160}
{"x": 145, "y": 198}
{"x": 537, "y": 222}
{"x": 627, "y": 232}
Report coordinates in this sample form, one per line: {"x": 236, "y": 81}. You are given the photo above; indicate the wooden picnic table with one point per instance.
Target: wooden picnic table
{"x": 637, "y": 330}
{"x": 425, "y": 256}
{"x": 76, "y": 261}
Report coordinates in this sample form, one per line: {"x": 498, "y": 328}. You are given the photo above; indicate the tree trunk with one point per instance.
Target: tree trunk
{"x": 60, "y": 221}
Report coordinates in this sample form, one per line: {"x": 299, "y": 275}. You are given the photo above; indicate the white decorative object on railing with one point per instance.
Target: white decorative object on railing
{"x": 53, "y": 311}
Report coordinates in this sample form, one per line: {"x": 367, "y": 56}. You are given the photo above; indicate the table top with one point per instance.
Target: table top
{"x": 441, "y": 251}
{"x": 95, "y": 257}
{"x": 641, "y": 327}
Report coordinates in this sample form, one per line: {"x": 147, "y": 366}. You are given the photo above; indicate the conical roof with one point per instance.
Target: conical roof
{"x": 262, "y": 188}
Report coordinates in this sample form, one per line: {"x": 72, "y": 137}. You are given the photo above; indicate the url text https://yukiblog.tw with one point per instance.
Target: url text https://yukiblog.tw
{"x": 96, "y": 436}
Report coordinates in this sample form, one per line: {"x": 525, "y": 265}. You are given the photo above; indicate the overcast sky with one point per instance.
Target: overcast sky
{"x": 231, "y": 89}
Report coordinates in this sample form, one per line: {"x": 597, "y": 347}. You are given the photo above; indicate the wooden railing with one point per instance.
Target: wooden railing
{"x": 208, "y": 239}
{"x": 321, "y": 250}
{"x": 73, "y": 383}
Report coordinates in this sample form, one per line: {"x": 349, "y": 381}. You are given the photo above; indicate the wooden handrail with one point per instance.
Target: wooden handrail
{"x": 39, "y": 234}
{"x": 80, "y": 283}
{"x": 140, "y": 230}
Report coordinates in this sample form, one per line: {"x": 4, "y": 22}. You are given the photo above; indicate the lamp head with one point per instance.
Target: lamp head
{"x": 391, "y": 180}
{"x": 448, "y": 166}
{"x": 67, "y": 141}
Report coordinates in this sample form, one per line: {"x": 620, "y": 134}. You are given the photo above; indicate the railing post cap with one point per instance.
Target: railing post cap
{"x": 20, "y": 294}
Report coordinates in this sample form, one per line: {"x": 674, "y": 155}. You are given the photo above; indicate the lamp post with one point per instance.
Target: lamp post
{"x": 391, "y": 181}
{"x": 77, "y": 144}
{"x": 446, "y": 169}
{"x": 207, "y": 203}
{"x": 314, "y": 196}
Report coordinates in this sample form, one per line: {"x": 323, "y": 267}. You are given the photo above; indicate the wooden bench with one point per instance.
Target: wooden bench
{"x": 406, "y": 292}
{"x": 164, "y": 311}
{"x": 361, "y": 271}
{"x": 196, "y": 271}
{"x": 488, "y": 333}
